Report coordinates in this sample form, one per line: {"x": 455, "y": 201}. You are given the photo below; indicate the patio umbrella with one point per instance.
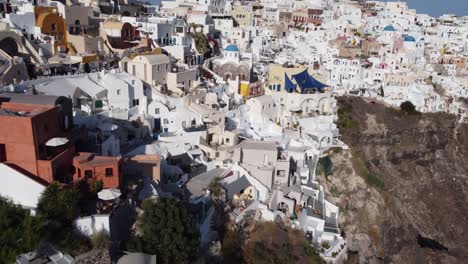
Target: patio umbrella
{"x": 56, "y": 141}
{"x": 107, "y": 126}
{"x": 109, "y": 194}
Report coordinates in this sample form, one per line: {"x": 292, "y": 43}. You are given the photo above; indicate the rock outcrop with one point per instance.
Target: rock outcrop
{"x": 403, "y": 187}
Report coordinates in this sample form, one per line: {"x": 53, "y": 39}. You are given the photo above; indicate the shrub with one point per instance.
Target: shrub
{"x": 100, "y": 239}
{"x": 97, "y": 186}
{"x": 325, "y": 245}
{"x": 325, "y": 165}
{"x": 408, "y": 108}
{"x": 373, "y": 181}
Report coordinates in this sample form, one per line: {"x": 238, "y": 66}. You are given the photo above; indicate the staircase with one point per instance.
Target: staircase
{"x": 32, "y": 51}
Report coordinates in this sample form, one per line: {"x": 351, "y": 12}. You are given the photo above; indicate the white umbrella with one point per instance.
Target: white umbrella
{"x": 107, "y": 126}
{"x": 56, "y": 141}
{"x": 109, "y": 194}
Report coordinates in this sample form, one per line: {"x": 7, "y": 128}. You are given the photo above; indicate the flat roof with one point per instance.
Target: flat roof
{"x": 259, "y": 145}
{"x": 197, "y": 185}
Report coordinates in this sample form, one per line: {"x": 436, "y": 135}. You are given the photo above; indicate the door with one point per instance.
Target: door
{"x": 2, "y": 153}
{"x": 157, "y": 124}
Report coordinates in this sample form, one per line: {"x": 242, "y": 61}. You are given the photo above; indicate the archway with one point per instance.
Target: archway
{"x": 10, "y": 46}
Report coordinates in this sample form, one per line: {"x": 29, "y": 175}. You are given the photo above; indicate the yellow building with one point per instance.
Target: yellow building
{"x": 242, "y": 14}
{"x": 244, "y": 89}
{"x": 52, "y": 24}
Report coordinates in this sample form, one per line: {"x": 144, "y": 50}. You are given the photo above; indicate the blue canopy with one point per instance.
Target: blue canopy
{"x": 289, "y": 86}
{"x": 307, "y": 83}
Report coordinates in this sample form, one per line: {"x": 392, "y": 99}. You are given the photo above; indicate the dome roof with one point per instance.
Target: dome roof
{"x": 410, "y": 39}
{"x": 232, "y": 47}
{"x": 389, "y": 28}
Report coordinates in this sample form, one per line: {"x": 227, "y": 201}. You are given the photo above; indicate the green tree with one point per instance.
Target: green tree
{"x": 215, "y": 188}
{"x": 408, "y": 107}
{"x": 59, "y": 204}
{"x": 168, "y": 230}
{"x": 19, "y": 231}
{"x": 97, "y": 186}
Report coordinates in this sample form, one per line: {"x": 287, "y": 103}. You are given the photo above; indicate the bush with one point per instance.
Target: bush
{"x": 19, "y": 231}
{"x": 59, "y": 204}
{"x": 100, "y": 240}
{"x": 408, "y": 108}
{"x": 168, "y": 230}
{"x": 373, "y": 181}
{"x": 325, "y": 166}
{"x": 97, "y": 186}
{"x": 325, "y": 245}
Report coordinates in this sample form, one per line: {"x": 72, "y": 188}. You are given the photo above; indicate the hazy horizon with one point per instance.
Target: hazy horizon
{"x": 438, "y": 7}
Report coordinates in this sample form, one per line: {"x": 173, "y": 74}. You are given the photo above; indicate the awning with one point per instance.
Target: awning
{"x": 57, "y": 141}
{"x": 109, "y": 194}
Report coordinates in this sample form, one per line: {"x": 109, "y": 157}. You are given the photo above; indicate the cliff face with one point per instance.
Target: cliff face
{"x": 403, "y": 186}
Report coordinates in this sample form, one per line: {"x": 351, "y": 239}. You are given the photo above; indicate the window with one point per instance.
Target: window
{"x": 136, "y": 102}
{"x": 88, "y": 173}
{"x": 98, "y": 104}
{"x": 156, "y": 111}
{"x": 228, "y": 140}
{"x": 165, "y": 121}
{"x": 280, "y": 173}
{"x": 53, "y": 26}
{"x": 109, "y": 172}
{"x": 118, "y": 91}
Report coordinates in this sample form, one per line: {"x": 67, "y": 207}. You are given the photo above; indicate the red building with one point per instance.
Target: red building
{"x": 93, "y": 168}
{"x": 28, "y": 125}
{"x": 28, "y": 122}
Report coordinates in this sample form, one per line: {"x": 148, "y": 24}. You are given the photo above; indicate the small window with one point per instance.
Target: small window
{"x": 136, "y": 102}
{"x": 156, "y": 111}
{"x": 109, "y": 172}
{"x": 165, "y": 121}
{"x": 53, "y": 26}
{"x": 98, "y": 104}
{"x": 228, "y": 140}
{"x": 118, "y": 91}
{"x": 88, "y": 173}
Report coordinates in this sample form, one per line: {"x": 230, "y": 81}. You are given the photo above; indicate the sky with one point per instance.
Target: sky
{"x": 439, "y": 7}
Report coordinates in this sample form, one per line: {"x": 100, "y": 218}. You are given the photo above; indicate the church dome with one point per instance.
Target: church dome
{"x": 410, "y": 39}
{"x": 389, "y": 28}
{"x": 232, "y": 47}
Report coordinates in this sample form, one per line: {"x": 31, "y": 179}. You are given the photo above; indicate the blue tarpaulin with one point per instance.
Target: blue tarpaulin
{"x": 289, "y": 86}
{"x": 307, "y": 83}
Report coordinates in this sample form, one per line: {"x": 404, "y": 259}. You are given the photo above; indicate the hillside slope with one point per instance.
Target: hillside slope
{"x": 403, "y": 187}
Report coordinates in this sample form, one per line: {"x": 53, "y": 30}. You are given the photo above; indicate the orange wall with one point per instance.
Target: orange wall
{"x": 99, "y": 173}
{"x": 60, "y": 166}
{"x": 45, "y": 24}
{"x": 17, "y": 136}
{"x": 46, "y": 126}
{"x": 23, "y": 136}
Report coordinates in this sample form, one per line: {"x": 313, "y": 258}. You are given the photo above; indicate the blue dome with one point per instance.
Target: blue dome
{"x": 232, "y": 47}
{"x": 410, "y": 39}
{"x": 389, "y": 28}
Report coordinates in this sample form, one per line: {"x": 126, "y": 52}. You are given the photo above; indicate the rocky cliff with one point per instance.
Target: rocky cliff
{"x": 403, "y": 185}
